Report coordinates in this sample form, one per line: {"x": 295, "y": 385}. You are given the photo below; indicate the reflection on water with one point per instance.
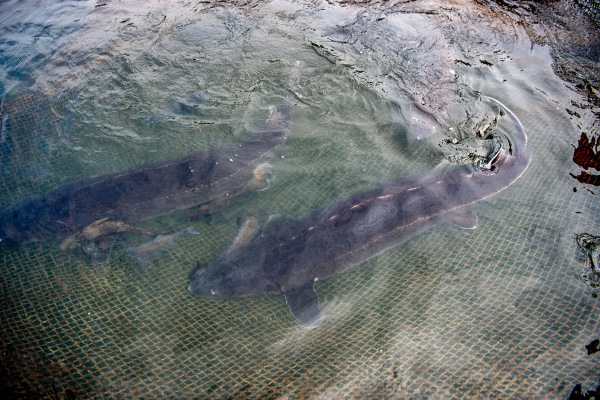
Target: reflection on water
{"x": 92, "y": 88}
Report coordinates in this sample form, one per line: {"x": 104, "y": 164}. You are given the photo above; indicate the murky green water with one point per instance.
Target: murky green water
{"x": 495, "y": 312}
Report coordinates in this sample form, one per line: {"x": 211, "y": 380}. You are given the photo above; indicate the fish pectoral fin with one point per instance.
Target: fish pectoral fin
{"x": 250, "y": 227}
{"x": 112, "y": 227}
{"x": 98, "y": 251}
{"x": 139, "y": 231}
{"x": 69, "y": 242}
{"x": 98, "y": 222}
{"x": 197, "y": 271}
{"x": 464, "y": 218}
{"x": 258, "y": 184}
{"x": 304, "y": 305}
{"x": 262, "y": 177}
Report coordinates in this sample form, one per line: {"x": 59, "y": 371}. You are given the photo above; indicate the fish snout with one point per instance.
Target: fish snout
{"x": 210, "y": 285}
{"x": 200, "y": 289}
{"x": 191, "y": 288}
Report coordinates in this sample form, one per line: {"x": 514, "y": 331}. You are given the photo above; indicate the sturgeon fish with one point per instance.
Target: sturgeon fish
{"x": 150, "y": 190}
{"x": 289, "y": 255}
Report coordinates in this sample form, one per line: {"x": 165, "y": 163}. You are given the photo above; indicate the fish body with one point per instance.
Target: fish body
{"x": 144, "y": 252}
{"x": 149, "y": 190}
{"x": 290, "y": 255}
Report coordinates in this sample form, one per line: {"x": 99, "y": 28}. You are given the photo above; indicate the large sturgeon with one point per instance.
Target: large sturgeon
{"x": 150, "y": 190}
{"x": 288, "y": 256}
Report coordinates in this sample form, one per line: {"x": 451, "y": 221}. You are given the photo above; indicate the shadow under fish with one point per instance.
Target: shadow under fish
{"x": 144, "y": 252}
{"x": 113, "y": 201}
{"x": 287, "y": 256}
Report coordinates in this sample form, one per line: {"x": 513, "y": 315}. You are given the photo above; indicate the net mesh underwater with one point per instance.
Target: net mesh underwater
{"x": 495, "y": 312}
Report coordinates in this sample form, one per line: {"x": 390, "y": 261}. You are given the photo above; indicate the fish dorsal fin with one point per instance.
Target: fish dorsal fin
{"x": 304, "y": 305}
{"x": 464, "y": 218}
{"x": 96, "y": 223}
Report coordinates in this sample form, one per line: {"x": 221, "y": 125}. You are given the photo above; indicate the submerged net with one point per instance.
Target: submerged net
{"x": 494, "y": 312}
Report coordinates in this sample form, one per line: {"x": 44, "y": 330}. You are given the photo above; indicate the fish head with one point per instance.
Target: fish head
{"x": 235, "y": 274}
{"x": 212, "y": 284}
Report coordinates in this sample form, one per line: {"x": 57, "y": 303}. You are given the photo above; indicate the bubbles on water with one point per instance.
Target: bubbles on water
{"x": 475, "y": 140}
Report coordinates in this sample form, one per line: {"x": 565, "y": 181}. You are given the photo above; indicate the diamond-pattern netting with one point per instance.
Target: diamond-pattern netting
{"x": 494, "y": 312}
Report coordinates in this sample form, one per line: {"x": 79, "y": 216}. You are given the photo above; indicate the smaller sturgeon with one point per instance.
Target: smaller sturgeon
{"x": 212, "y": 177}
{"x": 156, "y": 246}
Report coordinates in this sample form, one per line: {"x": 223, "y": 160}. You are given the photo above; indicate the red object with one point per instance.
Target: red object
{"x": 587, "y": 155}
